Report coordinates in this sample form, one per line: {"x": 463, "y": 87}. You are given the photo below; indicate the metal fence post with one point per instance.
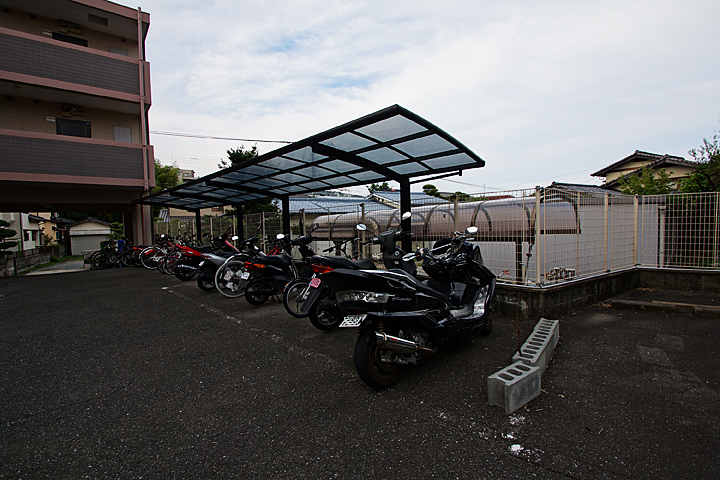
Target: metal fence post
{"x": 538, "y": 264}
{"x": 635, "y": 229}
{"x": 605, "y": 232}
{"x": 661, "y": 246}
{"x": 262, "y": 223}
{"x": 455, "y": 213}
{"x": 362, "y": 234}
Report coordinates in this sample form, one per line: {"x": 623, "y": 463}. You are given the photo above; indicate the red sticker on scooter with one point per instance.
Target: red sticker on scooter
{"x": 315, "y": 282}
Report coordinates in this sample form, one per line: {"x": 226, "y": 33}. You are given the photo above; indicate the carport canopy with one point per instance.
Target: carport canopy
{"x": 392, "y": 144}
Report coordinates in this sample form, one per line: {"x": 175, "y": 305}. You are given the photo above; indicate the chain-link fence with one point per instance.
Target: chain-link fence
{"x": 527, "y": 237}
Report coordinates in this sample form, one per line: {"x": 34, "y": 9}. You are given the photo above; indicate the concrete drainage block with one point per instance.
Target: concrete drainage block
{"x": 514, "y": 386}
{"x": 538, "y": 349}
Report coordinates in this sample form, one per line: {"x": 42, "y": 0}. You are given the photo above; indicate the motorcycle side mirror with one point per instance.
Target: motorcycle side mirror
{"x": 472, "y": 230}
{"x": 406, "y": 215}
{"x": 314, "y": 227}
{"x": 280, "y": 236}
{"x": 361, "y": 227}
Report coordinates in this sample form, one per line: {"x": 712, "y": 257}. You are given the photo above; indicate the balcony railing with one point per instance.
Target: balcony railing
{"x": 32, "y": 154}
{"x": 53, "y": 60}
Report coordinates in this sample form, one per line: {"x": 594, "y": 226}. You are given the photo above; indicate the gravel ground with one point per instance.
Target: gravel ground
{"x": 128, "y": 373}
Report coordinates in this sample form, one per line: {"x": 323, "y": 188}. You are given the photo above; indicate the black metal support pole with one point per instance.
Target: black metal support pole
{"x": 240, "y": 221}
{"x": 286, "y": 214}
{"x": 405, "y": 207}
{"x": 198, "y": 226}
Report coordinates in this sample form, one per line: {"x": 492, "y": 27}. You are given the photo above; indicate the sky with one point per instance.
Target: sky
{"x": 543, "y": 91}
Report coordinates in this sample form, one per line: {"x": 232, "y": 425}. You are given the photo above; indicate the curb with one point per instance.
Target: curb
{"x": 701, "y": 311}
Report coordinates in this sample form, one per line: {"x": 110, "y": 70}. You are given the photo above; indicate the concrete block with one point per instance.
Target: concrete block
{"x": 514, "y": 386}
{"x": 538, "y": 349}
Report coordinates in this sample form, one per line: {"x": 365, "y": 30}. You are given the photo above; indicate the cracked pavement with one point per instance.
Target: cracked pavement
{"x": 128, "y": 373}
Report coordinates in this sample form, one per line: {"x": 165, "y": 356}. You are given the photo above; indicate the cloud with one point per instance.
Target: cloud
{"x": 536, "y": 88}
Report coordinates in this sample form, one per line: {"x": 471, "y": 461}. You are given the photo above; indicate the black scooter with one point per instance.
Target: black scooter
{"x": 269, "y": 274}
{"x": 320, "y": 302}
{"x": 402, "y": 319}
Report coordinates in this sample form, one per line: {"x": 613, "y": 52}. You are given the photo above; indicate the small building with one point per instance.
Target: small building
{"x": 28, "y": 227}
{"x": 677, "y": 167}
{"x": 87, "y": 235}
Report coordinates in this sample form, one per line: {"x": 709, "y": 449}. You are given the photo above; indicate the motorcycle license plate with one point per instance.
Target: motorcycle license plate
{"x": 315, "y": 282}
{"x": 352, "y": 321}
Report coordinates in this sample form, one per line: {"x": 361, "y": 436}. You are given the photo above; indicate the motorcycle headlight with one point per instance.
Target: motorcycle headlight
{"x": 369, "y": 297}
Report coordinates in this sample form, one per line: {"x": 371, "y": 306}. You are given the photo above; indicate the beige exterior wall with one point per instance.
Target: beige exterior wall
{"x": 23, "y": 22}
{"x": 627, "y": 168}
{"x": 179, "y": 212}
{"x": 26, "y": 115}
{"x": 676, "y": 171}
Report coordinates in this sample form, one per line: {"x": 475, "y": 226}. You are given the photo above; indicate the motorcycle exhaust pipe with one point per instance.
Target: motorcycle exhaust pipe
{"x": 399, "y": 345}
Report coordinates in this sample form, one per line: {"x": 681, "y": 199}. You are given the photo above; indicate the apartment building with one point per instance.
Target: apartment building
{"x": 74, "y": 101}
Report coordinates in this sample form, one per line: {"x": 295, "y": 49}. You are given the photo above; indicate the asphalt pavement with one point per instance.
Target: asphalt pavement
{"x": 129, "y": 373}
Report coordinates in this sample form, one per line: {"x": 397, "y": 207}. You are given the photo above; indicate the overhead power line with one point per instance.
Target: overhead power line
{"x": 193, "y": 135}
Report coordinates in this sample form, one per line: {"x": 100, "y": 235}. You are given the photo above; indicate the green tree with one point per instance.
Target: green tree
{"x": 236, "y": 157}
{"x": 376, "y": 187}
{"x": 706, "y": 177}
{"x": 166, "y": 176}
{"x": 646, "y": 182}
{"x": 431, "y": 190}
{"x": 5, "y": 234}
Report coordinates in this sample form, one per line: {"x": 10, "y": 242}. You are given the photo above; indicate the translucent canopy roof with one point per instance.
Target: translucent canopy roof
{"x": 391, "y": 144}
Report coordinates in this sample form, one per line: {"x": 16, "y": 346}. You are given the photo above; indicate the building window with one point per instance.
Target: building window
{"x": 122, "y": 134}
{"x": 73, "y": 128}
{"x": 119, "y": 51}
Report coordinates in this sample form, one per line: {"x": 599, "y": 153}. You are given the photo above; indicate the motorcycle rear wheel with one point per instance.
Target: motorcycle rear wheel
{"x": 371, "y": 370}
{"x": 255, "y": 298}
{"x": 293, "y": 297}
{"x": 206, "y": 281}
{"x": 182, "y": 273}
{"x": 324, "y": 319}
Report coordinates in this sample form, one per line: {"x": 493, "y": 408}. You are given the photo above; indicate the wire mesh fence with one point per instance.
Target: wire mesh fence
{"x": 527, "y": 237}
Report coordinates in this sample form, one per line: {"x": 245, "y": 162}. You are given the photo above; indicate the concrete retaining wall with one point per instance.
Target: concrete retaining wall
{"x": 559, "y": 300}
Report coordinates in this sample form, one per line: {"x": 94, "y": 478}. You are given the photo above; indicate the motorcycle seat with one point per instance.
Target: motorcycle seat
{"x": 425, "y": 287}
{"x": 364, "y": 264}
{"x": 279, "y": 261}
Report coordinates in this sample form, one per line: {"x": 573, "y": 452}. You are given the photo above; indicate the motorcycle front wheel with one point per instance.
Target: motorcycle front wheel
{"x": 294, "y": 296}
{"x": 323, "y": 318}
{"x": 371, "y": 370}
{"x": 228, "y": 278}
